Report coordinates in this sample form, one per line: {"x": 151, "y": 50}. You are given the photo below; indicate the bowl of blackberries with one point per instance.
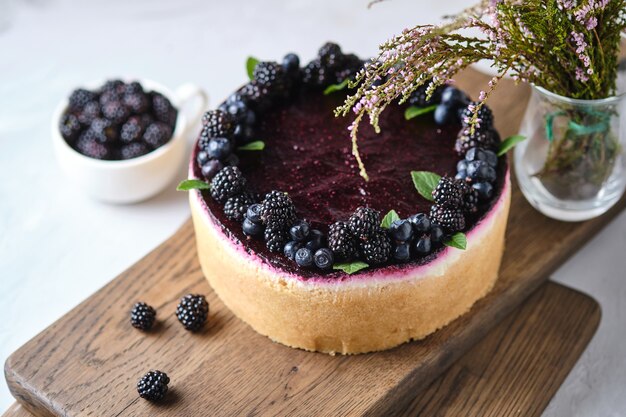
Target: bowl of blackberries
{"x": 124, "y": 141}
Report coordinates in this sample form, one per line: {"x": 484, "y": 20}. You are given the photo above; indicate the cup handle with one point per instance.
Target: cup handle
{"x": 188, "y": 93}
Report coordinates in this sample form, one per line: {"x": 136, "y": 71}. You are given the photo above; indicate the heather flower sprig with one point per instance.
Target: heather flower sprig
{"x": 569, "y": 47}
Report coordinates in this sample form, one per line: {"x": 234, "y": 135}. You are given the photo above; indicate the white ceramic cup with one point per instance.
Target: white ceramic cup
{"x": 137, "y": 179}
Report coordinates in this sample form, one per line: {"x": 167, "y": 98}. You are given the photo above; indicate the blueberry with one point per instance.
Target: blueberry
{"x": 423, "y": 245}
{"x": 401, "y": 230}
{"x": 436, "y": 233}
{"x": 491, "y": 158}
{"x": 254, "y": 213}
{"x": 244, "y": 132}
{"x": 220, "y": 148}
{"x": 420, "y": 222}
{"x": 202, "y": 157}
{"x": 212, "y": 167}
{"x": 461, "y": 175}
{"x": 291, "y": 63}
{"x": 402, "y": 252}
{"x": 304, "y": 257}
{"x": 484, "y": 189}
{"x": 316, "y": 240}
{"x": 445, "y": 115}
{"x": 299, "y": 232}
{"x": 323, "y": 258}
{"x": 291, "y": 248}
{"x": 454, "y": 97}
{"x": 480, "y": 170}
{"x": 461, "y": 165}
{"x": 252, "y": 229}
{"x": 475, "y": 154}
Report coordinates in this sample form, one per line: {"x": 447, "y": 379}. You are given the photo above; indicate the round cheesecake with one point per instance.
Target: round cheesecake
{"x": 307, "y": 155}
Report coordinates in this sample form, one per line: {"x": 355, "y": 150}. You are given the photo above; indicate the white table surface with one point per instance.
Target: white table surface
{"x": 57, "y": 246}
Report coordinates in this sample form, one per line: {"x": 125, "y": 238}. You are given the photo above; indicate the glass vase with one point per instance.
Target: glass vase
{"x": 571, "y": 166}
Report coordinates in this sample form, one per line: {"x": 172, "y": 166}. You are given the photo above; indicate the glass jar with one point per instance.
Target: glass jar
{"x": 571, "y": 166}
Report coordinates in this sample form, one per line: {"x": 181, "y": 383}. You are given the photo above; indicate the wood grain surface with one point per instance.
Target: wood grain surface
{"x": 513, "y": 371}
{"x": 88, "y": 362}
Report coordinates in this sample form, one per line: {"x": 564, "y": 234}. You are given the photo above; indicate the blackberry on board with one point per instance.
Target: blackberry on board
{"x": 153, "y": 385}
{"x": 448, "y": 192}
{"x": 377, "y": 248}
{"x": 451, "y": 219}
{"x": 192, "y": 311}
{"x": 363, "y": 222}
{"x": 341, "y": 241}
{"x": 142, "y": 316}
{"x": 277, "y": 208}
{"x": 228, "y": 182}
{"x": 236, "y": 207}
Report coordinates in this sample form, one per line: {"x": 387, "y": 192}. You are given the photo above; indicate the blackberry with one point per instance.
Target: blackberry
{"x": 341, "y": 241}
{"x": 257, "y": 95}
{"x": 323, "y": 259}
{"x": 70, "y": 127}
{"x": 330, "y": 55}
{"x": 419, "y": 97}
{"x": 276, "y": 236}
{"x": 142, "y": 316}
{"x": 89, "y": 113}
{"x": 104, "y": 131}
{"x": 115, "y": 111}
{"x": 133, "y": 87}
{"x": 153, "y": 385}
{"x": 448, "y": 192}
{"x": 157, "y": 134}
{"x": 192, "y": 311}
{"x": 216, "y": 124}
{"x": 277, "y": 208}
{"x": 451, "y": 219}
{"x": 484, "y": 116}
{"x": 470, "y": 199}
{"x": 227, "y": 183}
{"x": 349, "y": 67}
{"x": 316, "y": 75}
{"x": 132, "y": 130}
{"x": 113, "y": 86}
{"x": 487, "y": 139}
{"x": 377, "y": 248}
{"x": 236, "y": 206}
{"x": 134, "y": 150}
{"x": 363, "y": 222}
{"x": 136, "y": 102}
{"x": 163, "y": 109}
{"x": 89, "y": 146}
{"x": 80, "y": 97}
{"x": 269, "y": 74}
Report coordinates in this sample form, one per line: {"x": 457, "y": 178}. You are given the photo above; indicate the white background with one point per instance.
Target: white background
{"x": 57, "y": 246}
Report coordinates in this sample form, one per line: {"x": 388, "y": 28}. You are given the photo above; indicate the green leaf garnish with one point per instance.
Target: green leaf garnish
{"x": 250, "y": 65}
{"x": 425, "y": 182}
{"x": 414, "y": 111}
{"x": 389, "y": 218}
{"x": 350, "y": 267}
{"x": 336, "y": 87}
{"x": 457, "y": 240}
{"x": 509, "y": 143}
{"x": 257, "y": 145}
{"x": 188, "y": 185}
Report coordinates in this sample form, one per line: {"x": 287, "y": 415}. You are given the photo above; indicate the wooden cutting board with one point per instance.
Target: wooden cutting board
{"x": 515, "y": 370}
{"x": 88, "y": 362}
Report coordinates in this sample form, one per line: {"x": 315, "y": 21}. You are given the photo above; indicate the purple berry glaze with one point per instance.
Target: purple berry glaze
{"x": 308, "y": 154}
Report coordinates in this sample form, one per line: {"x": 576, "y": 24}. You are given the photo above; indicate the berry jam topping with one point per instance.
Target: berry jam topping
{"x": 317, "y": 211}
{"x": 118, "y": 121}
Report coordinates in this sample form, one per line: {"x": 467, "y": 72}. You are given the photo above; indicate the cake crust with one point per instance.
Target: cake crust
{"x": 371, "y": 311}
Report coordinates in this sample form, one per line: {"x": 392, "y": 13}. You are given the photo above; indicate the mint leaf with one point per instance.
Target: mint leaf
{"x": 350, "y": 267}
{"x": 414, "y": 111}
{"x": 457, "y": 240}
{"x": 336, "y": 87}
{"x": 257, "y": 145}
{"x": 425, "y": 182}
{"x": 250, "y": 65}
{"x": 509, "y": 143}
{"x": 389, "y": 218}
{"x": 188, "y": 185}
